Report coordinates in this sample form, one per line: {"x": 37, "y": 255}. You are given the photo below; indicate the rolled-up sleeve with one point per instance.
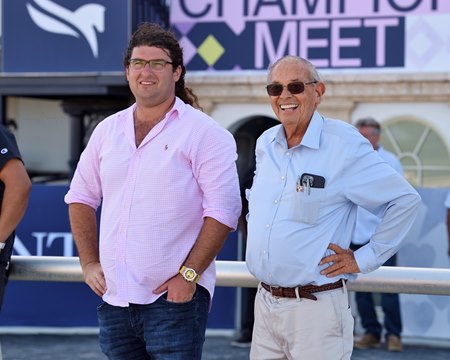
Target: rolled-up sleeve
{"x": 214, "y": 166}
{"x": 85, "y": 187}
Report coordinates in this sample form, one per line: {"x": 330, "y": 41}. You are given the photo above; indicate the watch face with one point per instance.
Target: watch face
{"x": 189, "y": 274}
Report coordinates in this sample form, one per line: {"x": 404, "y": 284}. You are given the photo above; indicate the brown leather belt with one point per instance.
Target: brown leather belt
{"x": 301, "y": 291}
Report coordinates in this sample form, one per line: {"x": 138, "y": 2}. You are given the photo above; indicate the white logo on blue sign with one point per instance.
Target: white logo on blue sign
{"x": 85, "y": 21}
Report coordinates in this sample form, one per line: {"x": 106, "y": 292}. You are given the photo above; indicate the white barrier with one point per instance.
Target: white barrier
{"x": 406, "y": 280}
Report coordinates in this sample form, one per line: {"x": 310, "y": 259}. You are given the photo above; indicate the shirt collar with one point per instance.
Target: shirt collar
{"x": 179, "y": 107}
{"x": 311, "y": 138}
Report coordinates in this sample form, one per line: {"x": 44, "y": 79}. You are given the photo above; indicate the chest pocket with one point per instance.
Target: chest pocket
{"x": 306, "y": 207}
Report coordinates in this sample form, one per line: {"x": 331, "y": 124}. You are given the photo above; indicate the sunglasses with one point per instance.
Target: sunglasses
{"x": 296, "y": 87}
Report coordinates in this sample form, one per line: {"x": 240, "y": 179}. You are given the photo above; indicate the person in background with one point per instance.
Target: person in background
{"x": 311, "y": 175}
{"x": 447, "y": 205}
{"x": 165, "y": 174}
{"x": 366, "y": 224}
{"x": 15, "y": 188}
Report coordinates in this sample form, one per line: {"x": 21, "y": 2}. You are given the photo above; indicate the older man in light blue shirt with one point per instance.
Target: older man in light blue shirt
{"x": 311, "y": 175}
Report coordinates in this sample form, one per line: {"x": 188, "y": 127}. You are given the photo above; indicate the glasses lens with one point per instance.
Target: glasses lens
{"x": 157, "y": 65}
{"x": 274, "y": 89}
{"x": 137, "y": 64}
{"x": 296, "y": 87}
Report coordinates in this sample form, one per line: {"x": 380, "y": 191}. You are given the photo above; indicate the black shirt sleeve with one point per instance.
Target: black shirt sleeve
{"x": 8, "y": 147}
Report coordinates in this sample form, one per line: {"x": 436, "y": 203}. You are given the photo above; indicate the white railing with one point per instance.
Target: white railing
{"x": 406, "y": 280}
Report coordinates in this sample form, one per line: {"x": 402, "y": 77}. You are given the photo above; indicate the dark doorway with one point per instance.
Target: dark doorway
{"x": 246, "y": 131}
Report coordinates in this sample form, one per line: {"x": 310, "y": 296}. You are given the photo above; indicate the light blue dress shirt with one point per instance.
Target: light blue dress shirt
{"x": 447, "y": 201}
{"x": 366, "y": 222}
{"x": 291, "y": 226}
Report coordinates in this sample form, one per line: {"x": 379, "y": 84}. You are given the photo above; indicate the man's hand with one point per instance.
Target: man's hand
{"x": 343, "y": 262}
{"x": 94, "y": 277}
{"x": 178, "y": 289}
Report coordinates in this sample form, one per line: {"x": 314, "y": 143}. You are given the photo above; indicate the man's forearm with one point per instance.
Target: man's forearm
{"x": 209, "y": 242}
{"x": 83, "y": 223}
{"x": 15, "y": 196}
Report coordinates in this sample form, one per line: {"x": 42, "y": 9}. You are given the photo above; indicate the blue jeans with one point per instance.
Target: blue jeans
{"x": 162, "y": 330}
{"x": 391, "y": 309}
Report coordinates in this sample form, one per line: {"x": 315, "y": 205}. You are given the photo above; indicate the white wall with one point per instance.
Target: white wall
{"x": 436, "y": 115}
{"x": 43, "y": 133}
{"x": 228, "y": 114}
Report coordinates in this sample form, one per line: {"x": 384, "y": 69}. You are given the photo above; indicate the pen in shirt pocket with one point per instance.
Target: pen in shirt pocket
{"x": 298, "y": 185}
{"x": 308, "y": 181}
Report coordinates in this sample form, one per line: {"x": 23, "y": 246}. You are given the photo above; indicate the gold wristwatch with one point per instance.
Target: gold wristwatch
{"x": 189, "y": 274}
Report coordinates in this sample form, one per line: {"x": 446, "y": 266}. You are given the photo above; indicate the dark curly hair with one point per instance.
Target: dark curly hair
{"x": 150, "y": 34}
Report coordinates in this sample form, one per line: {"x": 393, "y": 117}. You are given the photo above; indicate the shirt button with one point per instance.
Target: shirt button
{"x": 282, "y": 178}
{"x": 276, "y": 201}
{"x": 267, "y": 225}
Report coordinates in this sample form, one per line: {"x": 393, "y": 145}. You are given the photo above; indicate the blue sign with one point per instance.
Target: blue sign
{"x": 64, "y": 35}
{"x": 45, "y": 231}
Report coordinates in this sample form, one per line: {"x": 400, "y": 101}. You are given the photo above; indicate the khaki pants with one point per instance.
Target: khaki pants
{"x": 297, "y": 329}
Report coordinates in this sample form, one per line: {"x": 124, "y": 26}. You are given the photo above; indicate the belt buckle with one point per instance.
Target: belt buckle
{"x": 272, "y": 288}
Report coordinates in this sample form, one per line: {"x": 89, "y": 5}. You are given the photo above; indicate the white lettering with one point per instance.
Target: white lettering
{"x": 264, "y": 42}
{"x": 327, "y": 43}
{"x": 20, "y": 248}
{"x": 67, "y": 244}
{"x": 39, "y": 242}
{"x": 337, "y": 43}
{"x": 380, "y": 26}
{"x": 306, "y": 43}
{"x": 51, "y": 237}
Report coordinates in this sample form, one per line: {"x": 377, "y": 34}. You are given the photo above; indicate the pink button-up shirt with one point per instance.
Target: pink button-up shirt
{"x": 154, "y": 197}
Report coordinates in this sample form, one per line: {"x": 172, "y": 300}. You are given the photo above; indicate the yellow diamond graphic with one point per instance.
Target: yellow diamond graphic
{"x": 210, "y": 50}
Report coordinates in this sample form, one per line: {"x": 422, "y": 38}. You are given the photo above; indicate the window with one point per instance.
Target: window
{"x": 421, "y": 150}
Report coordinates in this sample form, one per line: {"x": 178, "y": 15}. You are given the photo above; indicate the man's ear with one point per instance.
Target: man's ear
{"x": 320, "y": 88}
{"x": 177, "y": 73}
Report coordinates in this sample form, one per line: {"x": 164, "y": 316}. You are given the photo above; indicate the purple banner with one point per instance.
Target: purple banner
{"x": 338, "y": 34}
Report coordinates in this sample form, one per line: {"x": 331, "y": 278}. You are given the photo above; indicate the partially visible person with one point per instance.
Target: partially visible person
{"x": 311, "y": 175}
{"x": 447, "y": 205}
{"x": 165, "y": 174}
{"x": 366, "y": 224}
{"x": 15, "y": 188}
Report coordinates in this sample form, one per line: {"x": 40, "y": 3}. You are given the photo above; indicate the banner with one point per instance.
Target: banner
{"x": 362, "y": 35}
